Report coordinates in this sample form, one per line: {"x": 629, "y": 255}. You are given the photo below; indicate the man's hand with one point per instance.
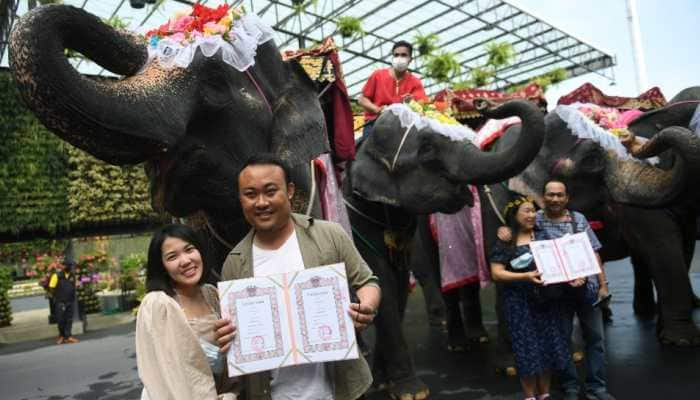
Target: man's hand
{"x": 504, "y": 234}
{"x": 578, "y": 282}
{"x": 224, "y": 332}
{"x": 534, "y": 277}
{"x": 362, "y": 315}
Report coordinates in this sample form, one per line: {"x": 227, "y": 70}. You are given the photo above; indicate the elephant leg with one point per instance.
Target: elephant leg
{"x": 471, "y": 313}
{"x": 658, "y": 239}
{"x": 644, "y": 304}
{"x": 393, "y": 361}
{"x": 690, "y": 227}
{"x": 505, "y": 362}
{"x": 456, "y": 339}
{"x": 434, "y": 303}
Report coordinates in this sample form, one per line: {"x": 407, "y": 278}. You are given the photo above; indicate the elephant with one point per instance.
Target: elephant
{"x": 193, "y": 127}
{"x": 635, "y": 201}
{"x": 401, "y": 173}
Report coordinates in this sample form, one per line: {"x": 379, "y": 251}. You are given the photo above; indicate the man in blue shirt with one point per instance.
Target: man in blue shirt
{"x": 557, "y": 221}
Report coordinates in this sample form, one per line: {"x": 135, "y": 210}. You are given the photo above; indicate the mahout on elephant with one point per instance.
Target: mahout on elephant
{"x": 401, "y": 172}
{"x": 193, "y": 126}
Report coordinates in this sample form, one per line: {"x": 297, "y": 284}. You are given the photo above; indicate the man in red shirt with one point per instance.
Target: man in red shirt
{"x": 390, "y": 85}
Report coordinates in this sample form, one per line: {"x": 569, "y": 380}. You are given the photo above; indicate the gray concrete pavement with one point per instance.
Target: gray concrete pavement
{"x": 103, "y": 364}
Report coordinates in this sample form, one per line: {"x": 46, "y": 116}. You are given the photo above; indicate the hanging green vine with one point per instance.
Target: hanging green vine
{"x": 103, "y": 194}
{"x": 47, "y": 185}
{"x": 33, "y": 169}
{"x": 5, "y": 307}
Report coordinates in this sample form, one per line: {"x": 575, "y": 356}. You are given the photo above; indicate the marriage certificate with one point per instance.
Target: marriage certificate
{"x": 289, "y": 319}
{"x": 565, "y": 259}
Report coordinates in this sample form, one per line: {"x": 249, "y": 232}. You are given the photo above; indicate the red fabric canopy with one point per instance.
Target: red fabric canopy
{"x": 587, "y": 93}
{"x": 342, "y": 136}
{"x": 463, "y": 100}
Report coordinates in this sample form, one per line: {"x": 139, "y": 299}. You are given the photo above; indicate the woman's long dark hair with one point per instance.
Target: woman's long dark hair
{"x": 512, "y": 220}
{"x": 157, "y": 277}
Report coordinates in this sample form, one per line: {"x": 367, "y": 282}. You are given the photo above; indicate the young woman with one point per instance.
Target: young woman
{"x": 176, "y": 351}
{"x": 538, "y": 340}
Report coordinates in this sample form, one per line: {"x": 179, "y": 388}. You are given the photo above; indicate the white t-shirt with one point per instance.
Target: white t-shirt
{"x": 300, "y": 382}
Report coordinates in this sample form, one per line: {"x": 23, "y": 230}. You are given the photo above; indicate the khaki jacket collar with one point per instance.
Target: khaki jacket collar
{"x": 244, "y": 249}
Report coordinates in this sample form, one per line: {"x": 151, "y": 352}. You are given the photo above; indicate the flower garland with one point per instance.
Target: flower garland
{"x": 439, "y": 110}
{"x": 517, "y": 203}
{"x": 231, "y": 30}
{"x": 202, "y": 21}
{"x": 421, "y": 116}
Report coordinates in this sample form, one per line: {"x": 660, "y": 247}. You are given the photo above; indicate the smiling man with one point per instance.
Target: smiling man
{"x": 281, "y": 242}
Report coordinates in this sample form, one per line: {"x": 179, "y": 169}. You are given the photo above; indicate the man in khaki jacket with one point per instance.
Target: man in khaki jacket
{"x": 281, "y": 242}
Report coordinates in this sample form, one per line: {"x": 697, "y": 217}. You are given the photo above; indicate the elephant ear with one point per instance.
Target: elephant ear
{"x": 298, "y": 126}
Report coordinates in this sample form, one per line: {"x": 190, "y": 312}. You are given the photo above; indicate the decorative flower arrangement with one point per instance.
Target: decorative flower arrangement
{"x": 608, "y": 118}
{"x": 439, "y": 111}
{"x": 201, "y": 21}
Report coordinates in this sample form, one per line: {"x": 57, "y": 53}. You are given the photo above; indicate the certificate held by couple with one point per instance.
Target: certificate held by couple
{"x": 565, "y": 259}
{"x": 289, "y": 319}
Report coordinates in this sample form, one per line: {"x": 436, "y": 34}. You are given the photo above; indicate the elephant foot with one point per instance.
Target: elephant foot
{"x": 686, "y": 335}
{"x": 409, "y": 389}
{"x": 456, "y": 343}
{"x": 477, "y": 335}
{"x": 509, "y": 371}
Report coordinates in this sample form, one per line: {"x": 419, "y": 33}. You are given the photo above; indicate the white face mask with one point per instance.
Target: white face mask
{"x": 399, "y": 63}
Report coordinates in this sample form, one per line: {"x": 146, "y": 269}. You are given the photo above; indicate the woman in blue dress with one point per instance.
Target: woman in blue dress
{"x": 538, "y": 340}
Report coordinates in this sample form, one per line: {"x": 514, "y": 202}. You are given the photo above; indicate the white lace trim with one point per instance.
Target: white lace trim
{"x": 695, "y": 121}
{"x": 582, "y": 127}
{"x": 409, "y": 117}
{"x": 238, "y": 49}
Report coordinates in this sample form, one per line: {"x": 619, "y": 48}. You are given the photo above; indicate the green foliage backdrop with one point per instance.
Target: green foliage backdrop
{"x": 50, "y": 187}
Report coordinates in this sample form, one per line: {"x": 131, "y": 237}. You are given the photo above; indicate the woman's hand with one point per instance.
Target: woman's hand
{"x": 578, "y": 282}
{"x": 534, "y": 277}
{"x": 224, "y": 332}
{"x": 504, "y": 234}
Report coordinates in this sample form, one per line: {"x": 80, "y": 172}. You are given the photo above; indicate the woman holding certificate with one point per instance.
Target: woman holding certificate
{"x": 176, "y": 351}
{"x": 538, "y": 340}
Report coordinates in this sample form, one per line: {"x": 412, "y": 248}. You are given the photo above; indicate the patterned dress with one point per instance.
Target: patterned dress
{"x": 539, "y": 342}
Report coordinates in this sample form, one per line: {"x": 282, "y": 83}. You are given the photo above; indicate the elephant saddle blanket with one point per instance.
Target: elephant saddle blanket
{"x": 460, "y": 242}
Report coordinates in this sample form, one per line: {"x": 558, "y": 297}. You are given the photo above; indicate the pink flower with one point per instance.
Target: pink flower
{"x": 181, "y": 24}
{"x": 178, "y": 37}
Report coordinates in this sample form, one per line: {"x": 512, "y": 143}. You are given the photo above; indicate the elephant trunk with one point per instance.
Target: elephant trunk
{"x": 636, "y": 183}
{"x": 120, "y": 122}
{"x": 482, "y": 168}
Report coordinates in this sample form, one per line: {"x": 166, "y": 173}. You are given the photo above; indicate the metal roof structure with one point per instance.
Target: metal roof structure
{"x": 464, "y": 27}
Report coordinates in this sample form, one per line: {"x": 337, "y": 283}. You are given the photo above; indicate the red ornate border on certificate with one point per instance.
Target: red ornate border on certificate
{"x": 315, "y": 282}
{"x": 249, "y": 292}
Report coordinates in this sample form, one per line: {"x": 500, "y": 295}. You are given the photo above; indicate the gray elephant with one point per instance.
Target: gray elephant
{"x": 194, "y": 126}
{"x": 399, "y": 173}
{"x": 644, "y": 209}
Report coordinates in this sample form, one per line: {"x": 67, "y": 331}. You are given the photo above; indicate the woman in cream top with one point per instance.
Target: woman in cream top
{"x": 176, "y": 351}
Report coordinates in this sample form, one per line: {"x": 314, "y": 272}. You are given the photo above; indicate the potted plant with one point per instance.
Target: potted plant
{"x": 349, "y": 26}
{"x": 443, "y": 67}
{"x": 480, "y": 76}
{"x": 499, "y": 54}
{"x": 426, "y": 44}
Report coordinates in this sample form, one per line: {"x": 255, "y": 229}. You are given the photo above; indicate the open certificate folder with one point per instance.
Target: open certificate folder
{"x": 289, "y": 319}
{"x": 565, "y": 259}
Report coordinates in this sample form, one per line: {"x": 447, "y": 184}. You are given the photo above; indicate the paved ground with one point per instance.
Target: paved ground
{"x": 102, "y": 366}
{"x": 29, "y": 303}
